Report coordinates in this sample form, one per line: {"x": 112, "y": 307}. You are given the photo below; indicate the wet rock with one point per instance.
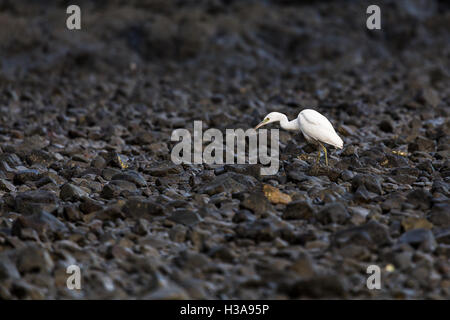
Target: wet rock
{"x": 89, "y": 205}
{"x": 386, "y": 126}
{"x": 23, "y": 176}
{"x": 178, "y": 233}
{"x": 185, "y": 217}
{"x": 370, "y": 182}
{"x": 131, "y": 176}
{"x": 256, "y": 202}
{"x": 299, "y": 210}
{"x": 228, "y": 182}
{"x": 141, "y": 227}
{"x": 115, "y": 188}
{"x": 430, "y": 97}
{"x": 443, "y": 237}
{"x": 70, "y": 192}
{"x": 223, "y": 253}
{"x": 260, "y": 230}
{"x": 170, "y": 292}
{"x": 123, "y": 185}
{"x": 419, "y": 238}
{"x": 30, "y": 144}
{"x": 140, "y": 208}
{"x": 304, "y": 266}
{"x": 35, "y": 201}
{"x": 321, "y": 286}
{"x": 72, "y": 213}
{"x": 420, "y": 198}
{"x": 332, "y": 173}
{"x": 42, "y": 222}
{"x": 5, "y": 185}
{"x": 39, "y": 156}
{"x": 45, "y": 180}
{"x": 243, "y": 216}
{"x": 162, "y": 169}
{"x": 370, "y": 234}
{"x": 333, "y": 213}
{"x": 34, "y": 259}
{"x": 440, "y": 214}
{"x": 358, "y": 215}
{"x": 8, "y": 269}
{"x": 98, "y": 162}
{"x": 422, "y": 144}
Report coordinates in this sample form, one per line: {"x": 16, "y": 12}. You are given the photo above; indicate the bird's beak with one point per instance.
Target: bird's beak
{"x": 260, "y": 124}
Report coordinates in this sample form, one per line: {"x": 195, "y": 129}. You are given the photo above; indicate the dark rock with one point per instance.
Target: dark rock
{"x": 370, "y": 182}
{"x": 299, "y": 210}
{"x": 422, "y": 238}
{"x": 89, "y": 205}
{"x": 260, "y": 230}
{"x": 440, "y": 214}
{"x": 370, "y": 234}
{"x": 23, "y": 176}
{"x": 178, "y": 233}
{"x": 45, "y": 180}
{"x": 223, "y": 253}
{"x": 228, "y": 182}
{"x": 162, "y": 169}
{"x": 143, "y": 208}
{"x": 34, "y": 259}
{"x": 304, "y": 266}
{"x": 72, "y": 213}
{"x": 321, "y": 286}
{"x": 332, "y": 173}
{"x": 422, "y": 144}
{"x": 334, "y": 212}
{"x": 30, "y": 144}
{"x": 43, "y": 222}
{"x": 39, "y": 156}
{"x": 8, "y": 269}
{"x": 386, "y": 126}
{"x": 443, "y": 237}
{"x": 98, "y": 162}
{"x": 123, "y": 185}
{"x": 35, "y": 201}
{"x": 70, "y": 192}
{"x": 243, "y": 216}
{"x": 257, "y": 203}
{"x": 420, "y": 198}
{"x": 141, "y": 227}
{"x": 131, "y": 176}
{"x": 186, "y": 217}
{"x": 5, "y": 185}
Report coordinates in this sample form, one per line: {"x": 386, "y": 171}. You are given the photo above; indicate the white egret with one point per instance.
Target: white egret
{"x": 315, "y": 127}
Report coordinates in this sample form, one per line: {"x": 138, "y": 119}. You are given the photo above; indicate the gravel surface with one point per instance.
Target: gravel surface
{"x": 86, "y": 176}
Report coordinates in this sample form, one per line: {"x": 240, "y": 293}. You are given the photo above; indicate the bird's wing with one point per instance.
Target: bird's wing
{"x": 317, "y": 127}
{"x": 312, "y": 117}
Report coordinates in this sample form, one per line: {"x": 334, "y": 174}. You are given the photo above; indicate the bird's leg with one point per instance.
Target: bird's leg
{"x": 326, "y": 156}
{"x": 325, "y": 151}
{"x": 318, "y": 155}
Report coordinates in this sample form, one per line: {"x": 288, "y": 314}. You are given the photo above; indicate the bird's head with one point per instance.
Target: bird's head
{"x": 271, "y": 117}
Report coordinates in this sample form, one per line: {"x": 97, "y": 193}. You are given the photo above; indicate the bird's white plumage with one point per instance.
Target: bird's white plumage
{"x": 314, "y": 126}
{"x": 317, "y": 127}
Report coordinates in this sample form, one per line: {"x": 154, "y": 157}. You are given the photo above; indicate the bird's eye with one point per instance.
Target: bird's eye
{"x": 267, "y": 119}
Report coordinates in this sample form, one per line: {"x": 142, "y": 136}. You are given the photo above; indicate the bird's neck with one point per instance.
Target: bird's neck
{"x": 292, "y": 125}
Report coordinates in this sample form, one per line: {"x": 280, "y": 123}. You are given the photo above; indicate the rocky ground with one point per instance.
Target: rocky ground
{"x": 85, "y": 170}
